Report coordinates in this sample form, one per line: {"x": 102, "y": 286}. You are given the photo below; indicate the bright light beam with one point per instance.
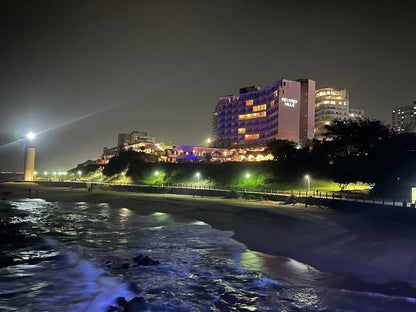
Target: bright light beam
{"x": 66, "y": 123}
{"x": 32, "y": 135}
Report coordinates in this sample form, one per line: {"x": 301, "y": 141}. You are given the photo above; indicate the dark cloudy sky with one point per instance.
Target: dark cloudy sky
{"x": 87, "y": 70}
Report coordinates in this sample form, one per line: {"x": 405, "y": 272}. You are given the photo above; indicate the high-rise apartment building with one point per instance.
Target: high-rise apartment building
{"x": 255, "y": 116}
{"x": 330, "y": 104}
{"x": 404, "y": 118}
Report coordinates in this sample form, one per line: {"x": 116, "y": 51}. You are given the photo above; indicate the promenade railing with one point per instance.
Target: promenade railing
{"x": 325, "y": 196}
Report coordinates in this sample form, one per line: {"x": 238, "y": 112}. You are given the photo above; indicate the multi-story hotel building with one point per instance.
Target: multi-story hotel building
{"x": 404, "y": 118}
{"x": 255, "y": 116}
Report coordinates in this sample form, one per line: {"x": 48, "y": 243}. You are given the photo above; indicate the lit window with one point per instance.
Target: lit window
{"x": 249, "y": 102}
{"x": 251, "y": 136}
{"x": 271, "y": 103}
{"x": 251, "y": 116}
{"x": 241, "y": 130}
{"x": 259, "y": 108}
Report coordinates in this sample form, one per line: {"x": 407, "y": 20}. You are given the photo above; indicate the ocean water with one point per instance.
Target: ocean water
{"x": 81, "y": 257}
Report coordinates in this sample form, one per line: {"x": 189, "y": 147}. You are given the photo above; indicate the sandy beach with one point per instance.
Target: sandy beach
{"x": 374, "y": 247}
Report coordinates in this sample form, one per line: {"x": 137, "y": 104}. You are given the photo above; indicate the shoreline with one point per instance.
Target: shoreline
{"x": 374, "y": 248}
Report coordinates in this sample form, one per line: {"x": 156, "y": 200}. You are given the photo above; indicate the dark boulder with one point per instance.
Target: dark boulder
{"x": 121, "y": 301}
{"x": 137, "y": 304}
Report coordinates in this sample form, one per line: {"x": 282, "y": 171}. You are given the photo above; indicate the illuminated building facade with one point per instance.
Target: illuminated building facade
{"x": 255, "y": 116}
{"x": 404, "y": 119}
{"x": 330, "y": 104}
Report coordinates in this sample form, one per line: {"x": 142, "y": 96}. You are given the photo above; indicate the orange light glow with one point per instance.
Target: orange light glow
{"x": 251, "y": 136}
{"x": 251, "y": 116}
{"x": 259, "y": 108}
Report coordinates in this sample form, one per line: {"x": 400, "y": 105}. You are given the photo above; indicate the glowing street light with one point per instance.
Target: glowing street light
{"x": 54, "y": 174}
{"x": 79, "y": 173}
{"x": 307, "y": 177}
{"x": 248, "y": 175}
{"x": 198, "y": 175}
{"x": 35, "y": 174}
{"x": 30, "y": 136}
{"x": 156, "y": 173}
{"x": 45, "y": 173}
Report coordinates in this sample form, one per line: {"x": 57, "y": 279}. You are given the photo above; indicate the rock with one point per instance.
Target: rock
{"x": 144, "y": 260}
{"x": 121, "y": 301}
{"x": 137, "y": 304}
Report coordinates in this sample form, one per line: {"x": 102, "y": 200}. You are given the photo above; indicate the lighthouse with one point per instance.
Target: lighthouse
{"x": 29, "y": 157}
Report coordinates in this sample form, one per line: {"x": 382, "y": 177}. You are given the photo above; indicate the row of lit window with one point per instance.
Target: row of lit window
{"x": 338, "y": 93}
{"x": 229, "y": 100}
{"x": 251, "y": 116}
{"x": 251, "y": 136}
{"x": 331, "y": 102}
{"x": 259, "y": 108}
{"x": 330, "y": 97}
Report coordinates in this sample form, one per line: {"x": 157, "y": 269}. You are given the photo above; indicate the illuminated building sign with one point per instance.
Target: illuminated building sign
{"x": 289, "y": 102}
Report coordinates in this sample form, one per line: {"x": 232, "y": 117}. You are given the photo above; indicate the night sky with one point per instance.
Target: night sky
{"x": 80, "y": 72}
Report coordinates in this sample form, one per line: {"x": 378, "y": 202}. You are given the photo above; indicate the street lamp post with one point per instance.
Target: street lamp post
{"x": 197, "y": 175}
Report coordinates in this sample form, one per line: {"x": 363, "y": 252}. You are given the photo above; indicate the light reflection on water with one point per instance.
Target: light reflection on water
{"x": 83, "y": 260}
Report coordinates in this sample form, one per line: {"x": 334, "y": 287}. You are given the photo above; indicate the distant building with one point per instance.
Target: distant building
{"x": 331, "y": 104}
{"x": 356, "y": 113}
{"x": 404, "y": 118}
{"x": 255, "y": 116}
{"x": 135, "y": 137}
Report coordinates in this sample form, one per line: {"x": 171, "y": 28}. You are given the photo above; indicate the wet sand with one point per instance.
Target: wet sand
{"x": 376, "y": 248}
